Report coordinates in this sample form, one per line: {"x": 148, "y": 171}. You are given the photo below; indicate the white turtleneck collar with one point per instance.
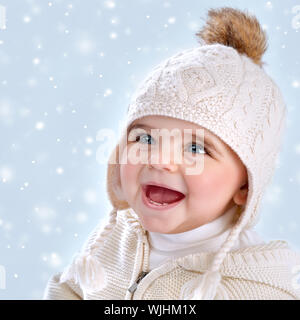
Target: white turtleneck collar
{"x": 206, "y": 238}
{"x": 204, "y": 233}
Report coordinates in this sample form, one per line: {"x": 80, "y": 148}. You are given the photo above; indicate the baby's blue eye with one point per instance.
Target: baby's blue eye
{"x": 194, "y": 147}
{"x": 143, "y": 135}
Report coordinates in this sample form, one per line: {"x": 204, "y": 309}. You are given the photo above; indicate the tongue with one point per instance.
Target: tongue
{"x": 163, "y": 195}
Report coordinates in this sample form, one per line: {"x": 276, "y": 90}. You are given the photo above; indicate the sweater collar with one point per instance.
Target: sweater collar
{"x": 177, "y": 241}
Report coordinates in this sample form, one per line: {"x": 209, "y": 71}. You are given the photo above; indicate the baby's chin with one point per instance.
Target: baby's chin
{"x": 154, "y": 225}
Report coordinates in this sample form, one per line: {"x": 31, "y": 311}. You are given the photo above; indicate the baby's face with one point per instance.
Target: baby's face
{"x": 208, "y": 194}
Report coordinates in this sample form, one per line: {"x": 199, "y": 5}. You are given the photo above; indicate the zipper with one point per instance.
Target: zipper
{"x": 143, "y": 273}
{"x": 135, "y": 284}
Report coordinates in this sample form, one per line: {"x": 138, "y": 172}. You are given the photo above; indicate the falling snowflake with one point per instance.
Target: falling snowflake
{"x": 26, "y": 19}
{"x": 59, "y": 170}
{"x": 110, "y": 4}
{"x": 40, "y": 125}
{"x": 6, "y": 174}
{"x": 269, "y": 5}
{"x": 90, "y": 196}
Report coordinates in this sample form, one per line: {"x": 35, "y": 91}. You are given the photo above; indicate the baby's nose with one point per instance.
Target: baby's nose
{"x": 161, "y": 166}
{"x": 163, "y": 161}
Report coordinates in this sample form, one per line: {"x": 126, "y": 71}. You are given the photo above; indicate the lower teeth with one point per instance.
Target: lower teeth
{"x": 159, "y": 204}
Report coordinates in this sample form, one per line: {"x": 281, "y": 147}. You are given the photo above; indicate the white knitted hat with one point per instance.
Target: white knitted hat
{"x": 221, "y": 86}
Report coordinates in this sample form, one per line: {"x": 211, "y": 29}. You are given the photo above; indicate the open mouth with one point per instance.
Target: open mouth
{"x": 160, "y": 198}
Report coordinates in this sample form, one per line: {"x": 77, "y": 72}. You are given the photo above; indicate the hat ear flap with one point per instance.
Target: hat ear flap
{"x": 113, "y": 181}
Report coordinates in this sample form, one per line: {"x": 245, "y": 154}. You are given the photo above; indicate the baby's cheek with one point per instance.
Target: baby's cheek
{"x": 127, "y": 173}
{"x": 208, "y": 184}
{"x": 129, "y": 178}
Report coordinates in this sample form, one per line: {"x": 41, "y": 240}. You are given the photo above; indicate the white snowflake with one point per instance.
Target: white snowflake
{"x": 59, "y": 109}
{"x": 36, "y": 10}
{"x": 265, "y": 27}
{"x": 128, "y": 31}
{"x": 6, "y": 174}
{"x": 297, "y": 148}
{"x": 115, "y": 20}
{"x": 90, "y": 196}
{"x": 46, "y": 228}
{"x": 113, "y": 35}
{"x": 85, "y": 46}
{"x": 24, "y": 112}
{"x": 59, "y": 170}
{"x": 273, "y": 194}
{"x": 43, "y": 213}
{"x": 6, "y": 111}
{"x": 53, "y": 259}
{"x": 26, "y": 19}
{"x": 107, "y": 92}
{"x": 88, "y": 152}
{"x": 193, "y": 25}
{"x": 7, "y": 226}
{"x": 269, "y": 5}
{"x": 36, "y": 61}
{"x": 171, "y": 20}
{"x": 40, "y": 125}
{"x": 31, "y": 82}
{"x": 81, "y": 217}
{"x": 110, "y": 4}
{"x": 2, "y": 17}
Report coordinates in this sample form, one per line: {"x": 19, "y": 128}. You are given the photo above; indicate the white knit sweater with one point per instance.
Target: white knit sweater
{"x": 262, "y": 271}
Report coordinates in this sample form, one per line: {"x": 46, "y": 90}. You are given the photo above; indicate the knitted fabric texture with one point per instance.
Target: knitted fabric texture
{"x": 224, "y": 91}
{"x": 259, "y": 272}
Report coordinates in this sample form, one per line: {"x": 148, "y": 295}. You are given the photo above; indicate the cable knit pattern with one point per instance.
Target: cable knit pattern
{"x": 256, "y": 272}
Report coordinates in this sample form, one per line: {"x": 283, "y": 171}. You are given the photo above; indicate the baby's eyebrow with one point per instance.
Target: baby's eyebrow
{"x": 139, "y": 126}
{"x": 208, "y": 140}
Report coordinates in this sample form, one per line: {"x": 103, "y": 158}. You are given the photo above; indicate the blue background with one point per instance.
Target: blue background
{"x": 67, "y": 70}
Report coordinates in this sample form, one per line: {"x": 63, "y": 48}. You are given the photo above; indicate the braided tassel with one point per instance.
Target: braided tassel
{"x": 207, "y": 286}
{"x": 86, "y": 269}
{"x": 204, "y": 287}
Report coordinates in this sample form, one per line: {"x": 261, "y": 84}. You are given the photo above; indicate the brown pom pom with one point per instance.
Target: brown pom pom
{"x": 237, "y": 29}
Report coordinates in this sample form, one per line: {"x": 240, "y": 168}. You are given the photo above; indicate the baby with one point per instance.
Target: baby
{"x": 186, "y": 179}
